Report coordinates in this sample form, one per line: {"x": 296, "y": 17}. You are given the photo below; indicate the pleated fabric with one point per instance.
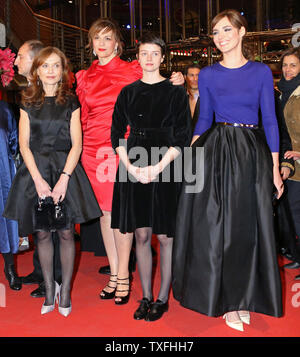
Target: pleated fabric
{"x": 224, "y": 256}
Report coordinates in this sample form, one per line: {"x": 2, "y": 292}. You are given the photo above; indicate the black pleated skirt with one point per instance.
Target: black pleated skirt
{"x": 224, "y": 256}
{"x": 80, "y": 198}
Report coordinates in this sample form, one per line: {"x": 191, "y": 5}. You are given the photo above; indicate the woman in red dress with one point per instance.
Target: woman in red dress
{"x": 98, "y": 88}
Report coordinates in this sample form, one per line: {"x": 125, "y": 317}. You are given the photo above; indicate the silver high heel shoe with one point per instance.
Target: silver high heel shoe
{"x": 48, "y": 308}
{"x": 245, "y": 316}
{"x": 237, "y": 325}
{"x": 65, "y": 311}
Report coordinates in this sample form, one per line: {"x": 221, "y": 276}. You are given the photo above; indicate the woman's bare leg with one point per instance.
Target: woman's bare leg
{"x": 123, "y": 244}
{"x": 110, "y": 247}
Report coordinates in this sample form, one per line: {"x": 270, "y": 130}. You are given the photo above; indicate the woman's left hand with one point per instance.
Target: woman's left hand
{"x": 278, "y": 183}
{"x": 177, "y": 78}
{"x": 151, "y": 172}
{"x": 292, "y": 155}
{"x": 60, "y": 189}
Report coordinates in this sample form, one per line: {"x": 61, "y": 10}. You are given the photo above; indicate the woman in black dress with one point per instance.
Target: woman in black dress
{"x": 50, "y": 144}
{"x": 159, "y": 117}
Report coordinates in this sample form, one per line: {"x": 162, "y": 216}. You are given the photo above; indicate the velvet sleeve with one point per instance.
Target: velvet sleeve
{"x": 81, "y": 96}
{"x": 119, "y": 120}
{"x": 267, "y": 106}
{"x": 206, "y": 109}
{"x": 182, "y": 123}
{"x": 12, "y": 131}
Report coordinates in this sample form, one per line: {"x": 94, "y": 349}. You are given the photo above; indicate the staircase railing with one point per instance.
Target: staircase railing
{"x": 24, "y": 24}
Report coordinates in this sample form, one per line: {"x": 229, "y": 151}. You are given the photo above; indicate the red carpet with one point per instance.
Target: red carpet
{"x": 20, "y": 317}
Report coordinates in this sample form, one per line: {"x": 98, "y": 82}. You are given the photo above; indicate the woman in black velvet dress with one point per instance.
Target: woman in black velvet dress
{"x": 158, "y": 115}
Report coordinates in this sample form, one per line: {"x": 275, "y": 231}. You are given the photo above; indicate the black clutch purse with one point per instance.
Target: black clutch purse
{"x": 50, "y": 217}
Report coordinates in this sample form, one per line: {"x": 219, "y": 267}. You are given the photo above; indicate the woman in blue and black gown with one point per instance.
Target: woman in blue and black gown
{"x": 224, "y": 258}
{"x": 9, "y": 237}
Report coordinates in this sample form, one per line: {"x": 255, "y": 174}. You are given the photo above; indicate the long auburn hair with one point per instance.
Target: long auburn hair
{"x": 34, "y": 94}
{"x": 238, "y": 21}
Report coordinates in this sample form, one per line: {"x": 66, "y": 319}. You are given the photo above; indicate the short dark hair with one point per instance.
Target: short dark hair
{"x": 150, "y": 37}
{"x": 293, "y": 51}
{"x": 193, "y": 65}
{"x": 35, "y": 47}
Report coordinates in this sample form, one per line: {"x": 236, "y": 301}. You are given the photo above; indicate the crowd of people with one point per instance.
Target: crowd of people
{"x": 110, "y": 150}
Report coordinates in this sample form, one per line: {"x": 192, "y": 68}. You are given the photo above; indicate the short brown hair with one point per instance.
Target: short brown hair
{"x": 108, "y": 24}
{"x": 293, "y": 51}
{"x": 238, "y": 21}
{"x": 150, "y": 37}
{"x": 34, "y": 94}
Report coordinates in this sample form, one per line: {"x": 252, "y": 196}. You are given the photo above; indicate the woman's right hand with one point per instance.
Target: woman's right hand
{"x": 42, "y": 188}
{"x": 278, "y": 183}
{"x": 138, "y": 174}
{"x": 285, "y": 173}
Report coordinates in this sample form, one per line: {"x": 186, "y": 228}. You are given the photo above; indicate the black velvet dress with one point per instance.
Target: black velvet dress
{"x": 159, "y": 117}
{"x": 50, "y": 143}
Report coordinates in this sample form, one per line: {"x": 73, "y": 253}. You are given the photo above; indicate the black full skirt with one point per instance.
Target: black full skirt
{"x": 224, "y": 256}
{"x": 80, "y": 198}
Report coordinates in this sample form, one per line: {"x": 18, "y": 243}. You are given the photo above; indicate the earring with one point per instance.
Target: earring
{"x": 116, "y": 50}
{"x": 94, "y": 53}
{"x": 38, "y": 82}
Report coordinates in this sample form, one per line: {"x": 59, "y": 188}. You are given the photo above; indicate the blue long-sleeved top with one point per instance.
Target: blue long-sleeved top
{"x": 235, "y": 95}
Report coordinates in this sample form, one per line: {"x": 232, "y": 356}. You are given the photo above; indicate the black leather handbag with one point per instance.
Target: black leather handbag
{"x": 50, "y": 217}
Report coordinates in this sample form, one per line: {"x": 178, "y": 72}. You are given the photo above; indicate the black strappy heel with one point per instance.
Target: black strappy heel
{"x": 123, "y": 299}
{"x": 106, "y": 295}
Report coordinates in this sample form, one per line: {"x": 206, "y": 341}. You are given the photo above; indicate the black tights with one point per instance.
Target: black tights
{"x": 67, "y": 256}
{"x": 8, "y": 259}
{"x": 144, "y": 259}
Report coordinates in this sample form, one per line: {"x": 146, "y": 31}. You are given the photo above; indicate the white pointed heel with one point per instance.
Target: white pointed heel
{"x": 245, "y": 316}
{"x": 65, "y": 311}
{"x": 48, "y": 308}
{"x": 236, "y": 325}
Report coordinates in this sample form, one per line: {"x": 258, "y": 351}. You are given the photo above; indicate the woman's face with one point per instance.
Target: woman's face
{"x": 150, "y": 57}
{"x": 227, "y": 37}
{"x": 105, "y": 44}
{"x": 50, "y": 72}
{"x": 290, "y": 67}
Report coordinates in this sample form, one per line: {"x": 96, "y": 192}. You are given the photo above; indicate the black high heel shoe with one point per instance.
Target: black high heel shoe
{"x": 123, "y": 299}
{"x": 106, "y": 295}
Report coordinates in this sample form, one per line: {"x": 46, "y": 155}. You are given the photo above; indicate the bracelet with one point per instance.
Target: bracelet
{"x": 64, "y": 173}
